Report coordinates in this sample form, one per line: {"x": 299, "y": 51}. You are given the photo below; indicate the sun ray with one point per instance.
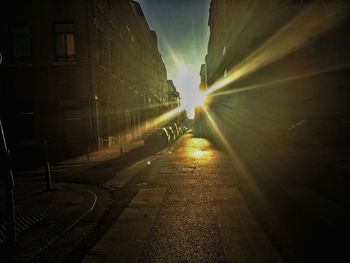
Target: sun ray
{"x": 157, "y": 122}
{"x": 163, "y": 119}
{"x": 286, "y": 40}
{"x": 177, "y": 60}
{"x": 221, "y": 137}
{"x": 157, "y": 105}
{"x": 236, "y": 161}
{"x": 279, "y": 81}
{"x": 187, "y": 81}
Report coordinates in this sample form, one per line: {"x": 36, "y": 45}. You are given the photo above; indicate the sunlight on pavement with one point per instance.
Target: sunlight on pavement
{"x": 199, "y": 153}
{"x": 198, "y": 147}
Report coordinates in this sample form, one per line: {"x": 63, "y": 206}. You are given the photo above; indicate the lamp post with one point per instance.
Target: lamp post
{"x": 97, "y": 121}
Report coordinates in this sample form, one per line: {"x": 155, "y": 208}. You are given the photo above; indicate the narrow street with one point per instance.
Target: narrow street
{"x": 191, "y": 204}
{"x": 175, "y": 131}
{"x": 195, "y": 202}
{"x": 188, "y": 207}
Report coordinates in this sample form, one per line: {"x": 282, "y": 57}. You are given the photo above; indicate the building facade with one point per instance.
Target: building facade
{"x": 82, "y": 73}
{"x": 173, "y": 95}
{"x": 286, "y": 60}
{"x": 204, "y": 77}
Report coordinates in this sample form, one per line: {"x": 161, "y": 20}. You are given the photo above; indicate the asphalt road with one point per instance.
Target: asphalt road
{"x": 193, "y": 202}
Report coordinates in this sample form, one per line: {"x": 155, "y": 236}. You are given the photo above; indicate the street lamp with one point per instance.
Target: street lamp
{"x": 97, "y": 122}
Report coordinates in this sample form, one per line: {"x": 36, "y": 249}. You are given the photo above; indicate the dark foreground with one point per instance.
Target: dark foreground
{"x": 195, "y": 202}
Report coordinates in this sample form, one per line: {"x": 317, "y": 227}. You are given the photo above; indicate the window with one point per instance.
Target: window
{"x": 21, "y": 43}
{"x": 64, "y": 42}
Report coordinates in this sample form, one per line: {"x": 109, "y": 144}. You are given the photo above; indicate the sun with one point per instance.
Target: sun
{"x": 187, "y": 83}
{"x": 200, "y": 99}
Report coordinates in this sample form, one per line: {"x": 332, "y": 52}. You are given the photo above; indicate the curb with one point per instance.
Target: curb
{"x": 88, "y": 204}
{"x": 68, "y": 228}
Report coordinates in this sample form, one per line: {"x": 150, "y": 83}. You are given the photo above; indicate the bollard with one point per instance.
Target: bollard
{"x": 47, "y": 168}
{"x": 121, "y": 148}
{"x": 88, "y": 153}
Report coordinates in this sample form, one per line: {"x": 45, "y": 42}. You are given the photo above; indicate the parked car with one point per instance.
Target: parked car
{"x": 321, "y": 131}
{"x": 181, "y": 131}
{"x": 158, "y": 138}
{"x": 171, "y": 133}
{"x": 175, "y": 128}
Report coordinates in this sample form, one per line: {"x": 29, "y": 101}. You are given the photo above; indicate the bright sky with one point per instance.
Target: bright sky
{"x": 183, "y": 33}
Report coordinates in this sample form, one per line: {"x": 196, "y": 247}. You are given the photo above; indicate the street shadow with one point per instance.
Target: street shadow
{"x": 127, "y": 158}
{"x": 100, "y": 173}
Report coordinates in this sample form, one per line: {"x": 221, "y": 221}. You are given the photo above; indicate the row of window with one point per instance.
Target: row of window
{"x": 64, "y": 42}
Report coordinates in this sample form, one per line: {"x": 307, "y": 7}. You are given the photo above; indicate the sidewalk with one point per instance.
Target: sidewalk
{"x": 105, "y": 154}
{"x": 71, "y": 166}
{"x": 43, "y": 217}
{"x": 46, "y": 216}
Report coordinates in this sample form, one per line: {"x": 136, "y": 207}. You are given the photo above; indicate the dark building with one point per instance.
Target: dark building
{"x": 174, "y": 102}
{"x": 173, "y": 95}
{"x": 203, "y": 75}
{"x": 286, "y": 60}
{"x": 83, "y": 73}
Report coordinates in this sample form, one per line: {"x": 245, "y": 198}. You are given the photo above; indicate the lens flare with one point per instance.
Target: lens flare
{"x": 285, "y": 41}
{"x": 163, "y": 119}
{"x": 157, "y": 122}
{"x": 187, "y": 82}
{"x": 198, "y": 148}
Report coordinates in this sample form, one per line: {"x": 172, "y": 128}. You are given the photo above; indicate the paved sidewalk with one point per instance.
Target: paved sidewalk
{"x": 45, "y": 216}
{"x": 68, "y": 167}
{"x": 106, "y": 153}
{"x": 94, "y": 157}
